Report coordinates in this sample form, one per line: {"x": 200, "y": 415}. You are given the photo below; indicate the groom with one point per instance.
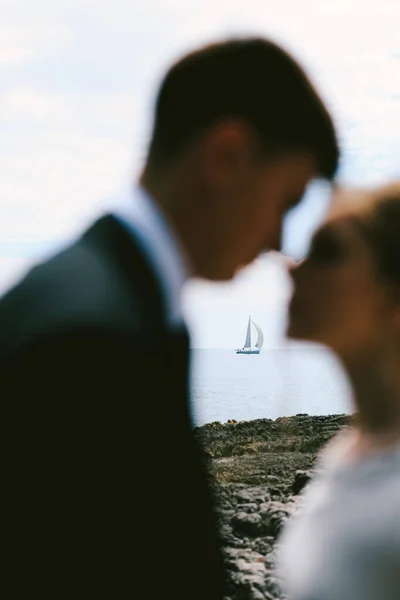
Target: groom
{"x": 104, "y": 489}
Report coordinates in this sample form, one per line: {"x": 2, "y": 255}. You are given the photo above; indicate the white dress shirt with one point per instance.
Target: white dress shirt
{"x": 141, "y": 216}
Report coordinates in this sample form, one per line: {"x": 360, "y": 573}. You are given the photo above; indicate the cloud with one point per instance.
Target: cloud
{"x": 87, "y": 73}
{"x": 30, "y": 32}
{"x": 78, "y": 79}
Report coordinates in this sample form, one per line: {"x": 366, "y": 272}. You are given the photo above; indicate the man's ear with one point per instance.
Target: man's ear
{"x": 225, "y": 152}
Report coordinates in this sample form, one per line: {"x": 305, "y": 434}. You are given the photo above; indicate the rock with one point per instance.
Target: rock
{"x": 252, "y": 494}
{"x": 301, "y": 479}
{"x": 274, "y": 517}
{"x": 263, "y": 545}
{"x": 247, "y": 575}
{"x": 264, "y": 508}
{"x": 273, "y": 479}
{"x": 247, "y": 524}
{"x": 257, "y": 470}
{"x": 253, "y": 507}
{"x": 274, "y": 491}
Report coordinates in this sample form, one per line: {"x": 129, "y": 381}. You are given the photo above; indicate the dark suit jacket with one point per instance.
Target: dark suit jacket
{"x": 104, "y": 489}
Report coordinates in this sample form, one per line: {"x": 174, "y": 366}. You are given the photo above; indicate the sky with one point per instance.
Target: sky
{"x": 77, "y": 85}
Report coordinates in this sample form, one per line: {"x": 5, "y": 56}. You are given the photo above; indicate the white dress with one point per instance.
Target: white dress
{"x": 343, "y": 543}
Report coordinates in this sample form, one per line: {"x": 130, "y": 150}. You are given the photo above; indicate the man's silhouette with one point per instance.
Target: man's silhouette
{"x": 104, "y": 488}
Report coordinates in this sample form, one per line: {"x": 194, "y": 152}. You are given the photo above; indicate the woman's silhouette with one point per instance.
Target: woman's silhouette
{"x": 344, "y": 543}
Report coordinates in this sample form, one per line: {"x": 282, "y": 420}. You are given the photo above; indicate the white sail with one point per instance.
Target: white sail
{"x": 260, "y": 340}
{"x": 247, "y": 343}
{"x": 247, "y": 348}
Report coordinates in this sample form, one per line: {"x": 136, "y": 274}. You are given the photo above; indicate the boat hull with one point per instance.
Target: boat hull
{"x": 247, "y": 351}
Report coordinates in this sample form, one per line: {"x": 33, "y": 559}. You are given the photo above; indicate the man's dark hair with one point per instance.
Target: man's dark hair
{"x": 252, "y": 79}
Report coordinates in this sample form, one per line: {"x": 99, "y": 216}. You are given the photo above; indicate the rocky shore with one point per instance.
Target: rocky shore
{"x": 257, "y": 469}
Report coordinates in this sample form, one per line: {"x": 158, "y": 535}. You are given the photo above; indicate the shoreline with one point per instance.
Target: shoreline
{"x": 257, "y": 470}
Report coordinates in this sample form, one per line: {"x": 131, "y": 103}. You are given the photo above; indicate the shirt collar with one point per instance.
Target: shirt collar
{"x": 150, "y": 226}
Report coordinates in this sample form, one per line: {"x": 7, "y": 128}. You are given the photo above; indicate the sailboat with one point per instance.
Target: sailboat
{"x": 247, "y": 348}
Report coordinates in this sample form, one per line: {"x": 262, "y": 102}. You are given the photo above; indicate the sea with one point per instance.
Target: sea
{"x": 276, "y": 383}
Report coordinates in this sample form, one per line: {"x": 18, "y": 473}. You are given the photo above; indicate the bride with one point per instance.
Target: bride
{"x": 344, "y": 541}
